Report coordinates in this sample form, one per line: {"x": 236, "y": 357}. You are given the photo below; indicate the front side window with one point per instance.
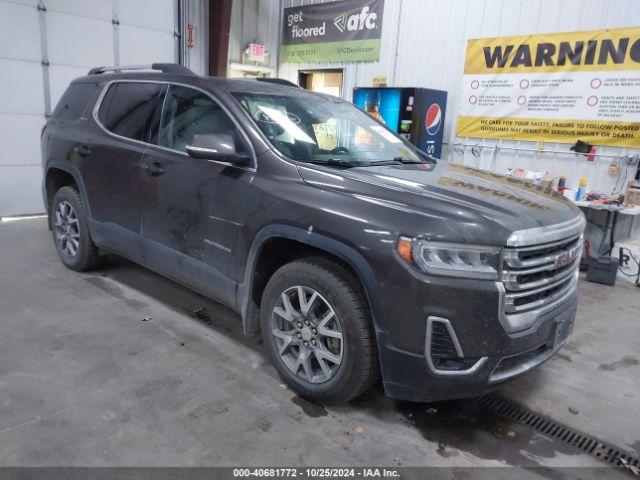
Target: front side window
{"x": 188, "y": 112}
{"x": 318, "y": 129}
{"x": 127, "y": 108}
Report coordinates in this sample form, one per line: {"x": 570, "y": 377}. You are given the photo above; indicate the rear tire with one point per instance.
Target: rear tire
{"x": 70, "y": 230}
{"x": 317, "y": 328}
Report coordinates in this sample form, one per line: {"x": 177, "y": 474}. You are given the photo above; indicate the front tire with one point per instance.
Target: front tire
{"x": 70, "y": 230}
{"x": 317, "y": 328}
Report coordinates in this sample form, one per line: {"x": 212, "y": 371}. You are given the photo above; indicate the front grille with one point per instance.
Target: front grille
{"x": 538, "y": 277}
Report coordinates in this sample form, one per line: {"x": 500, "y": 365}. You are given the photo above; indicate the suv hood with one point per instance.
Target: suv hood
{"x": 479, "y": 203}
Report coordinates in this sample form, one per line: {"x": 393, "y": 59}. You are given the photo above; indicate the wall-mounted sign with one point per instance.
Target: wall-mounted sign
{"x": 190, "y": 42}
{"x": 255, "y": 53}
{"x": 379, "y": 81}
{"x": 554, "y": 87}
{"x": 342, "y": 31}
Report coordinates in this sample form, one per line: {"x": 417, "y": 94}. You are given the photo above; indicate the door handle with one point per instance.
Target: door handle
{"x": 154, "y": 169}
{"x": 82, "y": 150}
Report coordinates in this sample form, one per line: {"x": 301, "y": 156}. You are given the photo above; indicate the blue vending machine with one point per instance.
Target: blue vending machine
{"x": 416, "y": 114}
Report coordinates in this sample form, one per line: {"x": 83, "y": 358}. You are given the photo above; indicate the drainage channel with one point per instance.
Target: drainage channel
{"x": 599, "y": 449}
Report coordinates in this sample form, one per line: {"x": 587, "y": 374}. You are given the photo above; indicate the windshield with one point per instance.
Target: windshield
{"x": 317, "y": 129}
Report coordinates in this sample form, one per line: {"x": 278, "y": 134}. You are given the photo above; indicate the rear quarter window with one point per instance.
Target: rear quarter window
{"x": 127, "y": 108}
{"x": 74, "y": 101}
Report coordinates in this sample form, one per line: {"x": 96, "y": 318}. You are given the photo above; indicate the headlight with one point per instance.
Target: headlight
{"x": 451, "y": 259}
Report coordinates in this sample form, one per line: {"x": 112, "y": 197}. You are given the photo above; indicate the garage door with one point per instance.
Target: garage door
{"x": 72, "y": 36}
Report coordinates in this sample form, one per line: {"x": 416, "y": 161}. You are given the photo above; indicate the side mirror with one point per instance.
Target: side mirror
{"x": 215, "y": 146}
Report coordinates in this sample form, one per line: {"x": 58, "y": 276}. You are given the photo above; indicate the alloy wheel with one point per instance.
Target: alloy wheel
{"x": 308, "y": 334}
{"x": 66, "y": 227}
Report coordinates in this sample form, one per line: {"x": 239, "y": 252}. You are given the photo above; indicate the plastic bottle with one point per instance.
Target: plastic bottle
{"x": 582, "y": 189}
{"x": 562, "y": 183}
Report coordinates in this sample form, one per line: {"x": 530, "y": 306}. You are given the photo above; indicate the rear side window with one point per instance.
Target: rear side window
{"x": 74, "y": 101}
{"x": 127, "y": 108}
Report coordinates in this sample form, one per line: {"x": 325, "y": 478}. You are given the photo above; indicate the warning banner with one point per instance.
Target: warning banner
{"x": 622, "y": 134}
{"x": 554, "y": 87}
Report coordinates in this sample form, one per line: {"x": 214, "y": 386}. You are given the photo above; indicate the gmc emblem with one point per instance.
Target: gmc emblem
{"x": 565, "y": 258}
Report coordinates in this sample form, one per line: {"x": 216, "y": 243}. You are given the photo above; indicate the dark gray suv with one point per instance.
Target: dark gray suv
{"x": 357, "y": 256}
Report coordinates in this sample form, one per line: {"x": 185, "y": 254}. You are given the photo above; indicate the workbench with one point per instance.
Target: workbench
{"x": 609, "y": 228}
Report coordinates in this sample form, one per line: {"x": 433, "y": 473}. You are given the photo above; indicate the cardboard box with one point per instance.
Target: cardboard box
{"x": 536, "y": 177}
{"x": 632, "y": 197}
{"x": 547, "y": 184}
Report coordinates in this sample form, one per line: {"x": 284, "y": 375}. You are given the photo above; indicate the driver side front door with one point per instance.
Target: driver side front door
{"x": 193, "y": 209}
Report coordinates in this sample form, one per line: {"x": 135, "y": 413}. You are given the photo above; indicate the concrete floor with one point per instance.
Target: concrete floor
{"x": 85, "y": 380}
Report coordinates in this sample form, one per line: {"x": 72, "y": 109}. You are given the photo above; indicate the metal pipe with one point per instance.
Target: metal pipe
{"x": 177, "y": 33}
{"x": 44, "y": 51}
{"x": 397, "y": 49}
{"x": 280, "y": 20}
{"x": 520, "y": 149}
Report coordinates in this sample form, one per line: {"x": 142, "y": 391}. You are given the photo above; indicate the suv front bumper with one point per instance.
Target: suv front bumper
{"x": 494, "y": 355}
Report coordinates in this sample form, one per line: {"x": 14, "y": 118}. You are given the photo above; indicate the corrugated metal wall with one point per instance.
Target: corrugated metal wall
{"x": 70, "y": 36}
{"x": 196, "y": 13}
{"x": 423, "y": 45}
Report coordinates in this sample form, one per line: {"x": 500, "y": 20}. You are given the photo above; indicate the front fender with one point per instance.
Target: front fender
{"x": 334, "y": 247}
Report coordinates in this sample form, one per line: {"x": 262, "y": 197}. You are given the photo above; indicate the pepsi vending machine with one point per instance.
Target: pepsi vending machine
{"x": 416, "y": 114}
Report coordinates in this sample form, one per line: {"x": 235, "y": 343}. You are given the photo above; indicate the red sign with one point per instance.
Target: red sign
{"x": 190, "y": 34}
{"x": 257, "y": 50}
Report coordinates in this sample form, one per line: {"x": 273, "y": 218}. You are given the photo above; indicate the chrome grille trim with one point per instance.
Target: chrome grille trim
{"x": 512, "y": 255}
{"x": 510, "y": 298}
{"x": 540, "y": 272}
{"x": 516, "y": 322}
{"x": 510, "y": 277}
{"x": 551, "y": 233}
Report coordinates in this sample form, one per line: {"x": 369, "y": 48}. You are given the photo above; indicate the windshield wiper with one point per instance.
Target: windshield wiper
{"x": 335, "y": 162}
{"x": 394, "y": 161}
{"x": 339, "y": 162}
{"x": 406, "y": 160}
{"x": 382, "y": 162}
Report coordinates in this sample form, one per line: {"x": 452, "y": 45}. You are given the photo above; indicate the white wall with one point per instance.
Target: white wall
{"x": 423, "y": 45}
{"x": 78, "y": 35}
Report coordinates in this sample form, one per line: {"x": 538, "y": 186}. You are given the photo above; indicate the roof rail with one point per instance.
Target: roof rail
{"x": 279, "y": 81}
{"x": 162, "y": 67}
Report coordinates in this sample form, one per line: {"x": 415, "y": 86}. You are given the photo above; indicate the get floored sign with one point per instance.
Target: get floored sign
{"x": 344, "y": 31}
{"x": 555, "y": 87}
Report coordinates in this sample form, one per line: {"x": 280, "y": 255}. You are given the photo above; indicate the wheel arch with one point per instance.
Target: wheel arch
{"x": 58, "y": 175}
{"x": 314, "y": 242}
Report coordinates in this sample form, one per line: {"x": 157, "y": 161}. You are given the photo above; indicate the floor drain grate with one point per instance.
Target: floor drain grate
{"x": 598, "y": 449}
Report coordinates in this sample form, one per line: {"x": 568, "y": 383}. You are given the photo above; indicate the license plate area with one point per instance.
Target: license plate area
{"x": 562, "y": 327}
